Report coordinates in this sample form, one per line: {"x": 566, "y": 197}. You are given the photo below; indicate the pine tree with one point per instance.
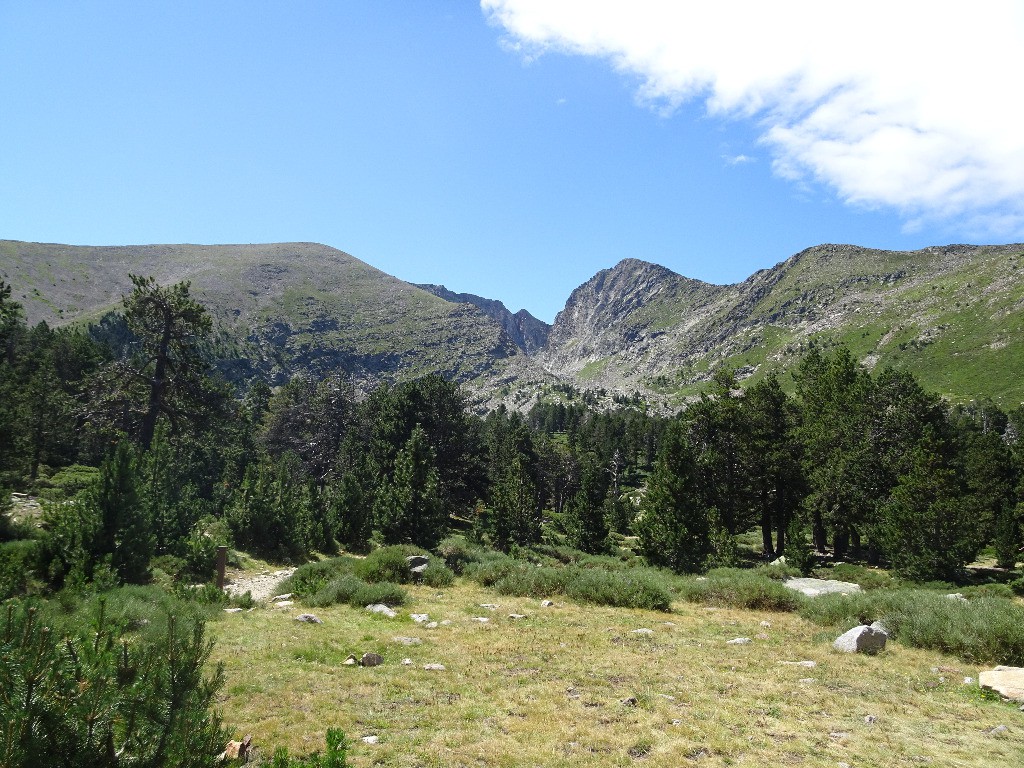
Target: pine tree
{"x": 673, "y": 525}
{"x": 929, "y": 526}
{"x": 125, "y": 533}
{"x": 409, "y": 507}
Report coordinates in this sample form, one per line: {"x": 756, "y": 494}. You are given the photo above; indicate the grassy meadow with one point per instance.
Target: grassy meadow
{"x": 574, "y": 685}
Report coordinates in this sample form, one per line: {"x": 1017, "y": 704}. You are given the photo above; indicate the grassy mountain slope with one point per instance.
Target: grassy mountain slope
{"x": 278, "y": 309}
{"x": 952, "y": 316}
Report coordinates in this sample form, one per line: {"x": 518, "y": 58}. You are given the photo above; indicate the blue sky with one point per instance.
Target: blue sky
{"x": 510, "y": 150}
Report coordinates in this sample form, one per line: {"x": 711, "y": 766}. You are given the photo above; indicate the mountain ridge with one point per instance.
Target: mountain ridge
{"x": 952, "y": 315}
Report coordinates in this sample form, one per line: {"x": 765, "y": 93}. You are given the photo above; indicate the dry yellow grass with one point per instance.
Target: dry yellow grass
{"x": 548, "y": 689}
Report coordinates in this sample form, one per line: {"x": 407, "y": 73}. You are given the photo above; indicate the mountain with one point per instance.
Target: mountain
{"x": 953, "y": 316}
{"x": 282, "y": 309}
{"x": 526, "y": 331}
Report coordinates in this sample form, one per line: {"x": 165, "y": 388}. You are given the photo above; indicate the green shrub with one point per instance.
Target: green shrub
{"x": 68, "y": 482}
{"x": 457, "y": 553}
{"x": 780, "y": 570}
{"x": 737, "y": 588}
{"x": 95, "y": 694}
{"x": 310, "y": 578}
{"x": 1017, "y": 586}
{"x": 868, "y": 578}
{"x": 621, "y": 589}
{"x": 491, "y": 567}
{"x": 335, "y": 757}
{"x": 438, "y": 575}
{"x": 982, "y": 630}
{"x": 379, "y": 592}
{"x": 340, "y": 589}
{"x": 17, "y": 561}
{"x": 1003, "y": 591}
{"x": 385, "y": 564}
{"x": 525, "y": 580}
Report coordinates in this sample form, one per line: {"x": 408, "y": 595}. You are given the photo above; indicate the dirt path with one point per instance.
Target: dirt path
{"x": 262, "y": 586}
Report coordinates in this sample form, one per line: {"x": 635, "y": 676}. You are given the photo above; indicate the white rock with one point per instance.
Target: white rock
{"x": 958, "y": 596}
{"x": 546, "y": 603}
{"x": 489, "y": 606}
{"x": 808, "y": 664}
{"x": 232, "y": 610}
{"x": 406, "y": 662}
{"x": 481, "y": 619}
{"x": 434, "y": 667}
{"x": 279, "y": 598}
{"x": 370, "y": 739}
{"x": 766, "y": 624}
{"x": 815, "y": 587}
{"x": 517, "y": 616}
{"x": 860, "y": 640}
{"x": 431, "y": 625}
{"x": 283, "y": 604}
{"x": 739, "y": 641}
{"x": 382, "y": 609}
{"x": 420, "y": 618}
{"x": 643, "y": 631}
{"x": 1006, "y": 681}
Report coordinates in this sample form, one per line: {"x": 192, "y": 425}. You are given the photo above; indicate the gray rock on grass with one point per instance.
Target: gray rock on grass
{"x": 382, "y": 609}
{"x": 861, "y": 639}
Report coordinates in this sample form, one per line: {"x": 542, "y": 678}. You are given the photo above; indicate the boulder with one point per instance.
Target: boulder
{"x": 815, "y": 587}
{"x": 371, "y": 660}
{"x": 309, "y": 618}
{"x": 382, "y": 609}
{"x": 880, "y": 627}
{"x": 861, "y": 639}
{"x": 1006, "y": 681}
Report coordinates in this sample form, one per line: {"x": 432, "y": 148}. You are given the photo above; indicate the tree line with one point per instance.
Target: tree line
{"x": 151, "y": 457}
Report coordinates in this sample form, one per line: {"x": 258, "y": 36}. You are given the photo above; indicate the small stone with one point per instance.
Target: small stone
{"x": 232, "y": 610}
{"x": 766, "y": 624}
{"x": 667, "y": 697}
{"x": 446, "y": 622}
{"x": 370, "y": 739}
{"x": 517, "y": 616}
{"x": 806, "y": 680}
{"x": 643, "y": 631}
{"x": 406, "y": 662}
{"x": 870, "y": 719}
{"x": 968, "y": 680}
{"x": 420, "y": 618}
{"x": 546, "y": 603}
{"x": 489, "y": 606}
{"x": 431, "y": 625}
{"x": 382, "y": 609}
{"x": 677, "y": 722}
{"x": 958, "y": 596}
{"x": 670, "y": 623}
{"x": 434, "y": 667}
{"x": 481, "y": 619}
{"x": 279, "y": 598}
{"x": 861, "y": 640}
{"x": 629, "y": 702}
{"x": 309, "y": 618}
{"x": 762, "y": 636}
{"x": 739, "y": 641}
{"x": 371, "y": 660}
{"x": 350, "y": 660}
{"x": 997, "y": 730}
{"x": 283, "y": 604}
{"x": 808, "y": 664}
{"x": 838, "y": 735}
{"x": 407, "y": 640}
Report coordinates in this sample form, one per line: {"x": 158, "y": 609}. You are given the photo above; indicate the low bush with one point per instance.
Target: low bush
{"x": 738, "y": 588}
{"x": 340, "y": 589}
{"x": 335, "y": 757}
{"x": 385, "y": 564}
{"x": 622, "y": 589}
{"x": 380, "y": 592}
{"x": 985, "y": 629}
{"x": 525, "y": 580}
{"x": 310, "y": 578}
{"x": 17, "y": 561}
{"x": 867, "y": 578}
{"x": 438, "y": 575}
{"x": 457, "y": 553}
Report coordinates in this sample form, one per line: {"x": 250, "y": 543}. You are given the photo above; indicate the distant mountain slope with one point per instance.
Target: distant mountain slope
{"x": 954, "y": 316}
{"x": 526, "y": 331}
{"x": 280, "y": 308}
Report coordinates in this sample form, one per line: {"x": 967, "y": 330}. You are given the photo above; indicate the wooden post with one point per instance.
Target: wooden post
{"x": 222, "y": 562}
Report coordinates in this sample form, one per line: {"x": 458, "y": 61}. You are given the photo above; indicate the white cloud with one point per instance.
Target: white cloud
{"x": 738, "y": 159}
{"x": 911, "y": 105}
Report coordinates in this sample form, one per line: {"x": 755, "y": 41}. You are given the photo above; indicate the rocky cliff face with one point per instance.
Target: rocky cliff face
{"x": 950, "y": 315}
{"x": 526, "y": 331}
